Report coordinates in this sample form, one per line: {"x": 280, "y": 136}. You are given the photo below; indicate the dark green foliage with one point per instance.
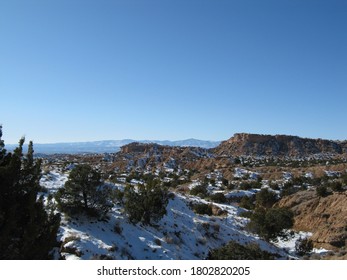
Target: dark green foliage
{"x": 265, "y": 198}
{"x": 231, "y": 186}
{"x": 250, "y": 185}
{"x": 303, "y": 246}
{"x": 236, "y": 251}
{"x": 27, "y": 230}
{"x": 84, "y": 192}
{"x": 218, "y": 198}
{"x": 344, "y": 178}
{"x": 322, "y": 191}
{"x": 271, "y": 223}
{"x": 274, "y": 186}
{"x": 203, "y": 209}
{"x": 147, "y": 204}
{"x": 118, "y": 195}
{"x": 200, "y": 191}
{"x": 336, "y": 186}
{"x": 288, "y": 189}
{"x": 247, "y": 202}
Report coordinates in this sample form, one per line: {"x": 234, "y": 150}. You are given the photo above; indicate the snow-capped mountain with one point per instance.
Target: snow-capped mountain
{"x": 110, "y": 146}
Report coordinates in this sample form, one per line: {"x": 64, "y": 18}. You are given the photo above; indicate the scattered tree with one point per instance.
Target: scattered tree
{"x": 271, "y": 223}
{"x": 265, "y": 198}
{"x": 146, "y": 203}
{"x": 247, "y": 202}
{"x": 218, "y": 198}
{"x": 203, "y": 209}
{"x": 84, "y": 192}
{"x": 200, "y": 190}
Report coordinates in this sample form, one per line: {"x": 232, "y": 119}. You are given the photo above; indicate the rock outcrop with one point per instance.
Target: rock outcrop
{"x": 325, "y": 217}
{"x": 277, "y": 146}
{"x": 149, "y": 156}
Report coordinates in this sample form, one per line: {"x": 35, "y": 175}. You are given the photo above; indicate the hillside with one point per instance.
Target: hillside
{"x": 325, "y": 217}
{"x": 213, "y": 197}
{"x": 181, "y": 234}
{"x": 152, "y": 156}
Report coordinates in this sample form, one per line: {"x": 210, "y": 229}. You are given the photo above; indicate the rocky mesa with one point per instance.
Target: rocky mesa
{"x": 278, "y": 146}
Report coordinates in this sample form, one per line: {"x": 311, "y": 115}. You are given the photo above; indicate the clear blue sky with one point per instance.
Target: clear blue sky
{"x": 82, "y": 70}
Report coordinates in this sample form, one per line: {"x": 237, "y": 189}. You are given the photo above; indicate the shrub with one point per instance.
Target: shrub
{"x": 231, "y": 186}
{"x": 203, "y": 209}
{"x": 303, "y": 246}
{"x": 236, "y": 251}
{"x": 274, "y": 186}
{"x": 265, "y": 198}
{"x": 200, "y": 191}
{"x": 147, "y": 204}
{"x": 247, "y": 202}
{"x": 117, "y": 228}
{"x": 250, "y": 185}
{"x": 157, "y": 241}
{"x": 322, "y": 191}
{"x": 218, "y": 198}
{"x": 288, "y": 189}
{"x": 336, "y": 186}
{"x": 271, "y": 223}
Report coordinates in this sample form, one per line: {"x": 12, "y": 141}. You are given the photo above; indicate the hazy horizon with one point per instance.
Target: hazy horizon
{"x": 159, "y": 140}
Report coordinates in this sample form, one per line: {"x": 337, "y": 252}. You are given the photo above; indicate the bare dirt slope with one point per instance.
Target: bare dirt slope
{"x": 325, "y": 217}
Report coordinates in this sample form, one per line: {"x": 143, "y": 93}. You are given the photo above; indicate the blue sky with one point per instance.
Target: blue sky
{"x": 82, "y": 70}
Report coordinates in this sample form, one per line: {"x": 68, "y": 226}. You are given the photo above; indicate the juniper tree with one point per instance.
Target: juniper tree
{"x": 265, "y": 198}
{"x": 147, "y": 203}
{"x": 27, "y": 229}
{"x": 271, "y": 223}
{"x": 84, "y": 192}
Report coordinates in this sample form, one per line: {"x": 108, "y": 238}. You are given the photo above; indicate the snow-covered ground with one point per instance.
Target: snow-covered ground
{"x": 53, "y": 180}
{"x": 181, "y": 234}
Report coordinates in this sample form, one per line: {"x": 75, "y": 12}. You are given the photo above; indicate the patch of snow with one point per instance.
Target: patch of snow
{"x": 332, "y": 173}
{"x": 240, "y": 173}
{"x": 53, "y": 180}
{"x": 289, "y": 243}
{"x": 240, "y": 193}
{"x": 287, "y": 176}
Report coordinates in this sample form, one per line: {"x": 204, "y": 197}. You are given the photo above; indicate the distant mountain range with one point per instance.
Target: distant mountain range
{"x": 110, "y": 146}
{"x": 240, "y": 144}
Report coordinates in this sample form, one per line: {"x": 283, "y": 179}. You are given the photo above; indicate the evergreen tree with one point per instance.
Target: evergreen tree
{"x": 84, "y": 192}
{"x": 27, "y": 230}
{"x": 265, "y": 198}
{"x": 147, "y": 204}
{"x": 271, "y": 223}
